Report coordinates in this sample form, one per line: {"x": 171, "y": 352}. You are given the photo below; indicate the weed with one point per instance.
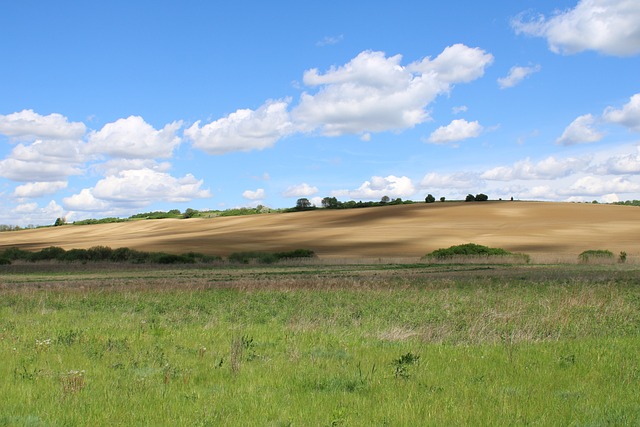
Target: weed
{"x": 401, "y": 365}
{"x": 72, "y": 382}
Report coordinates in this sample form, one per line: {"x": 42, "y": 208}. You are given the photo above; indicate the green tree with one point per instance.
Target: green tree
{"x": 59, "y": 221}
{"x": 481, "y": 197}
{"x": 303, "y": 203}
{"x": 330, "y": 203}
{"x": 429, "y": 199}
{"x": 385, "y": 200}
{"x": 470, "y": 198}
{"x": 442, "y": 199}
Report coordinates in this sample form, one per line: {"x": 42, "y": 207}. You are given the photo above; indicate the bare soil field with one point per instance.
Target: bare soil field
{"x": 543, "y": 230}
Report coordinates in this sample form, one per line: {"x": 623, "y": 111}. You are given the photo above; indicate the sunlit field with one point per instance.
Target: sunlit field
{"x": 342, "y": 344}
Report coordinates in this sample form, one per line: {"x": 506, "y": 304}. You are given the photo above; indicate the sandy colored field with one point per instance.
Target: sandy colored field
{"x": 535, "y": 228}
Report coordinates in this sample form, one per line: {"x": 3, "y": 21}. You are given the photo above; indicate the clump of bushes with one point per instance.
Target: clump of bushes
{"x": 269, "y": 257}
{"x": 103, "y": 254}
{"x": 473, "y": 250}
{"x": 596, "y": 255}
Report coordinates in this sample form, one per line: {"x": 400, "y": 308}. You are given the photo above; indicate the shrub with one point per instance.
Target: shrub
{"x": 5, "y": 261}
{"x": 50, "y": 253}
{"x": 268, "y": 257}
{"x": 473, "y": 250}
{"x": 594, "y": 255}
{"x": 622, "y": 258}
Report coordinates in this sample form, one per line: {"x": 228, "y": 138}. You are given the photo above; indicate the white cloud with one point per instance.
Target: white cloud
{"x": 391, "y": 186}
{"x": 330, "y": 40}
{"x": 31, "y": 213}
{"x": 460, "y": 109}
{"x": 115, "y": 166}
{"x": 27, "y": 124}
{"x": 301, "y": 190}
{"x": 259, "y": 194}
{"x": 31, "y": 171}
{"x": 137, "y": 188}
{"x": 611, "y": 27}
{"x": 457, "y": 130}
{"x": 600, "y": 185}
{"x": 458, "y": 180}
{"x": 38, "y": 189}
{"x": 375, "y": 93}
{"x": 621, "y": 165}
{"x": 548, "y": 168}
{"x": 133, "y": 138}
{"x": 456, "y": 64}
{"x": 628, "y": 116}
{"x": 581, "y": 130}
{"x": 244, "y": 130}
{"x": 516, "y": 75}
{"x": 85, "y": 201}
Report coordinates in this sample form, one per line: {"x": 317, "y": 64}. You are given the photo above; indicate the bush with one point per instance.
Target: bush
{"x": 595, "y": 255}
{"x": 5, "y": 261}
{"x": 46, "y": 254}
{"x": 473, "y": 250}
{"x": 269, "y": 258}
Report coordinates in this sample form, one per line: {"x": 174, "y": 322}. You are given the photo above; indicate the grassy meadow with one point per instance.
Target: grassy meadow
{"x": 352, "y": 345}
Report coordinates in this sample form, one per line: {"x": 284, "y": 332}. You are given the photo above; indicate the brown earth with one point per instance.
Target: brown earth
{"x": 535, "y": 228}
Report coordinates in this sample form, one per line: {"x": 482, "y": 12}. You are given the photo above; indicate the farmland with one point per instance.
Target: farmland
{"x": 378, "y": 337}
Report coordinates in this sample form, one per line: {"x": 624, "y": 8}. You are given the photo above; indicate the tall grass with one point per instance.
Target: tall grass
{"x": 332, "y": 345}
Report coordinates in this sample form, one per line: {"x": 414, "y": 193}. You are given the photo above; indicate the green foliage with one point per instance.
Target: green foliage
{"x": 481, "y": 197}
{"x": 622, "y": 258}
{"x": 401, "y": 365}
{"x": 470, "y": 198}
{"x": 442, "y": 199}
{"x": 429, "y": 199}
{"x": 105, "y": 254}
{"x": 59, "y": 222}
{"x": 467, "y": 249}
{"x": 269, "y": 257}
{"x": 109, "y": 220}
{"x": 595, "y": 255}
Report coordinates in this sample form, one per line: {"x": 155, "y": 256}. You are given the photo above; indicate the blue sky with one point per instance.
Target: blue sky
{"x": 114, "y": 108}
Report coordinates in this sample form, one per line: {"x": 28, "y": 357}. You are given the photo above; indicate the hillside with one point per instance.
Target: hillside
{"x": 535, "y": 228}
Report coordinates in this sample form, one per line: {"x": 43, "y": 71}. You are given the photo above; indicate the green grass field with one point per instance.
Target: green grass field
{"x": 352, "y": 345}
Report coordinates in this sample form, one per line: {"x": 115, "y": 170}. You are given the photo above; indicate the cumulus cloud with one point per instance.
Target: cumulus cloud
{"x": 621, "y": 165}
{"x": 548, "y": 168}
{"x": 581, "y": 130}
{"x": 600, "y": 185}
{"x": 85, "y": 201}
{"x": 611, "y": 27}
{"x": 516, "y": 75}
{"x": 38, "y": 189}
{"x": 375, "y": 93}
{"x": 628, "y": 116}
{"x": 457, "y": 130}
{"x": 244, "y": 130}
{"x": 457, "y": 180}
{"x": 391, "y": 186}
{"x": 133, "y": 138}
{"x": 30, "y": 171}
{"x": 115, "y": 166}
{"x": 301, "y": 190}
{"x": 137, "y": 188}
{"x": 32, "y": 213}
{"x": 259, "y": 194}
{"x": 27, "y": 124}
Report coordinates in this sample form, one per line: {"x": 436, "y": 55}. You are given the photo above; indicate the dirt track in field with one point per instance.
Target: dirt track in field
{"x": 535, "y": 228}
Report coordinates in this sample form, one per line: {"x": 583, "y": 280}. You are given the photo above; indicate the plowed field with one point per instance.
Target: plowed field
{"x": 535, "y": 228}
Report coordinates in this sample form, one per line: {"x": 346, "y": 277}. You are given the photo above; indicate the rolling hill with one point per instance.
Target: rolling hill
{"x": 535, "y": 228}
